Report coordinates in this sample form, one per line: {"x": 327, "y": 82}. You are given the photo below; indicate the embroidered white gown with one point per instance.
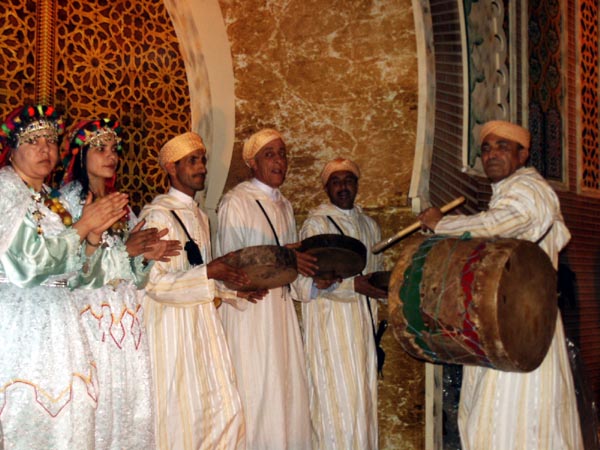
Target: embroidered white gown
{"x": 109, "y": 304}
{"x": 48, "y": 385}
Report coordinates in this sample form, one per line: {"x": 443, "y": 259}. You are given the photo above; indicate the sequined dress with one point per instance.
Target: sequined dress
{"x": 109, "y": 304}
{"x": 48, "y": 385}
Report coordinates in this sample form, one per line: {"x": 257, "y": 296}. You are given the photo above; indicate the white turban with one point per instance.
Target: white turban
{"x": 179, "y": 147}
{"x": 505, "y": 130}
{"x": 257, "y": 141}
{"x": 338, "y": 165}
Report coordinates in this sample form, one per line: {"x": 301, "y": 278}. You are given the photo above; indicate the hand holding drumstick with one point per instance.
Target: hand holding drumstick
{"x": 430, "y": 220}
{"x": 430, "y": 217}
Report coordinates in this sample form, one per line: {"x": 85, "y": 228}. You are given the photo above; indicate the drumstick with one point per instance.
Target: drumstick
{"x": 415, "y": 226}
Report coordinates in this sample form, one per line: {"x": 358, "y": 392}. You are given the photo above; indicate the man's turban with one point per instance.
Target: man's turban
{"x": 338, "y": 165}
{"x": 257, "y": 141}
{"x": 179, "y": 147}
{"x": 505, "y": 130}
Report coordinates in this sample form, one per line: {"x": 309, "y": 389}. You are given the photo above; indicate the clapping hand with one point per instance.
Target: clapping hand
{"x": 148, "y": 242}
{"x": 99, "y": 215}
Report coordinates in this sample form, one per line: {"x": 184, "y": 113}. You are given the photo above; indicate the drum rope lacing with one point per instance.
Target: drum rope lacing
{"x": 410, "y": 294}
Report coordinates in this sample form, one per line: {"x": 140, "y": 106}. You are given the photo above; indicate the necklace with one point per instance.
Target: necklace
{"x": 52, "y": 201}
{"x": 120, "y": 227}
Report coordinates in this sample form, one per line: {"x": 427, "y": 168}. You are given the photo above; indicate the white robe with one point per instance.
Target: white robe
{"x": 197, "y": 402}
{"x": 264, "y": 338}
{"x": 339, "y": 342}
{"x": 506, "y": 410}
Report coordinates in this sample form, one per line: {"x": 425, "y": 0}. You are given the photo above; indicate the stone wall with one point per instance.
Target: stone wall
{"x": 338, "y": 78}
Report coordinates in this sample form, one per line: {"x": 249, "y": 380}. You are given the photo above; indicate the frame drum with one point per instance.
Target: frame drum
{"x": 268, "y": 266}
{"x": 338, "y": 256}
{"x": 484, "y": 302}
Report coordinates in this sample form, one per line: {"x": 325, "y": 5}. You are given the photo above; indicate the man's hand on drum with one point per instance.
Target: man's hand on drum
{"x": 429, "y": 218}
{"x": 218, "y": 269}
{"x": 307, "y": 264}
{"x": 362, "y": 286}
{"x": 253, "y": 296}
{"x": 325, "y": 284}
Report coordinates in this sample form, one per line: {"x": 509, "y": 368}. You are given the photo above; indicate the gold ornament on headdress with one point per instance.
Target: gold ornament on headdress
{"x": 102, "y": 137}
{"x": 36, "y": 130}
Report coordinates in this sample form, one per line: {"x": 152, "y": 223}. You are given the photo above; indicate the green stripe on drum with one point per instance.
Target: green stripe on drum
{"x": 410, "y": 294}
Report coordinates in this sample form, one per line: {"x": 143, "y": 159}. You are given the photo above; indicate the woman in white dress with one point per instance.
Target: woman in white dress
{"x": 112, "y": 312}
{"x": 48, "y": 384}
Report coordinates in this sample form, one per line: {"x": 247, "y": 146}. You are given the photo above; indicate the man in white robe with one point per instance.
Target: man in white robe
{"x": 264, "y": 335}
{"x": 197, "y": 401}
{"x": 504, "y": 410}
{"x": 339, "y": 319}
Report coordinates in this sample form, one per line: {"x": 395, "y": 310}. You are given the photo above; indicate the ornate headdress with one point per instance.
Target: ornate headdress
{"x": 28, "y": 123}
{"x": 85, "y": 134}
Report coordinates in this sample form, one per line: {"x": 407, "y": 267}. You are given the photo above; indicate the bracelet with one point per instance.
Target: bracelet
{"x": 93, "y": 245}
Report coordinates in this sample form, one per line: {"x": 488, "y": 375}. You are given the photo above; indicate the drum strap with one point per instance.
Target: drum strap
{"x": 274, "y": 234}
{"x": 336, "y": 225}
{"x": 377, "y": 334}
{"x": 270, "y": 223}
{"x": 191, "y": 248}
{"x": 545, "y": 234}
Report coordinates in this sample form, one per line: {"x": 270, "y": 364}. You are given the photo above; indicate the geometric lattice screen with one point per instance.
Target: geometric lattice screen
{"x": 100, "y": 58}
{"x": 546, "y": 96}
{"x": 589, "y": 87}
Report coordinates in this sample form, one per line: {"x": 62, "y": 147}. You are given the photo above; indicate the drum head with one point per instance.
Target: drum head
{"x": 526, "y": 307}
{"x": 268, "y": 266}
{"x": 337, "y": 256}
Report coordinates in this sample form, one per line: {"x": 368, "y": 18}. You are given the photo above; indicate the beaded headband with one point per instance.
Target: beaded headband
{"x": 88, "y": 133}
{"x": 27, "y": 124}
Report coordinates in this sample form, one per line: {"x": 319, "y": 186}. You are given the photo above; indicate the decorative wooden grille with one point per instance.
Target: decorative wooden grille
{"x": 546, "y": 89}
{"x": 589, "y": 85}
{"x": 118, "y": 58}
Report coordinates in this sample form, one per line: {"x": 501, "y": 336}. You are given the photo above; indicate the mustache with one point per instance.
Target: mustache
{"x": 345, "y": 191}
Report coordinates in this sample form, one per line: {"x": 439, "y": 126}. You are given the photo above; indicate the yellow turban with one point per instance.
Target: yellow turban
{"x": 179, "y": 147}
{"x": 257, "y": 141}
{"x": 505, "y": 130}
{"x": 338, "y": 165}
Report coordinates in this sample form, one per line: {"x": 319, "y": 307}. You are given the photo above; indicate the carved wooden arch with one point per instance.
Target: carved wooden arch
{"x": 124, "y": 59}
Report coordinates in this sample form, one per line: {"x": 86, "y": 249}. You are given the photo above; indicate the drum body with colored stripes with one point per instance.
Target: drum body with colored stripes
{"x": 485, "y": 302}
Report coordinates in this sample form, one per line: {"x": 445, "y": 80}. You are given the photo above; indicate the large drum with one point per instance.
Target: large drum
{"x": 482, "y": 302}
